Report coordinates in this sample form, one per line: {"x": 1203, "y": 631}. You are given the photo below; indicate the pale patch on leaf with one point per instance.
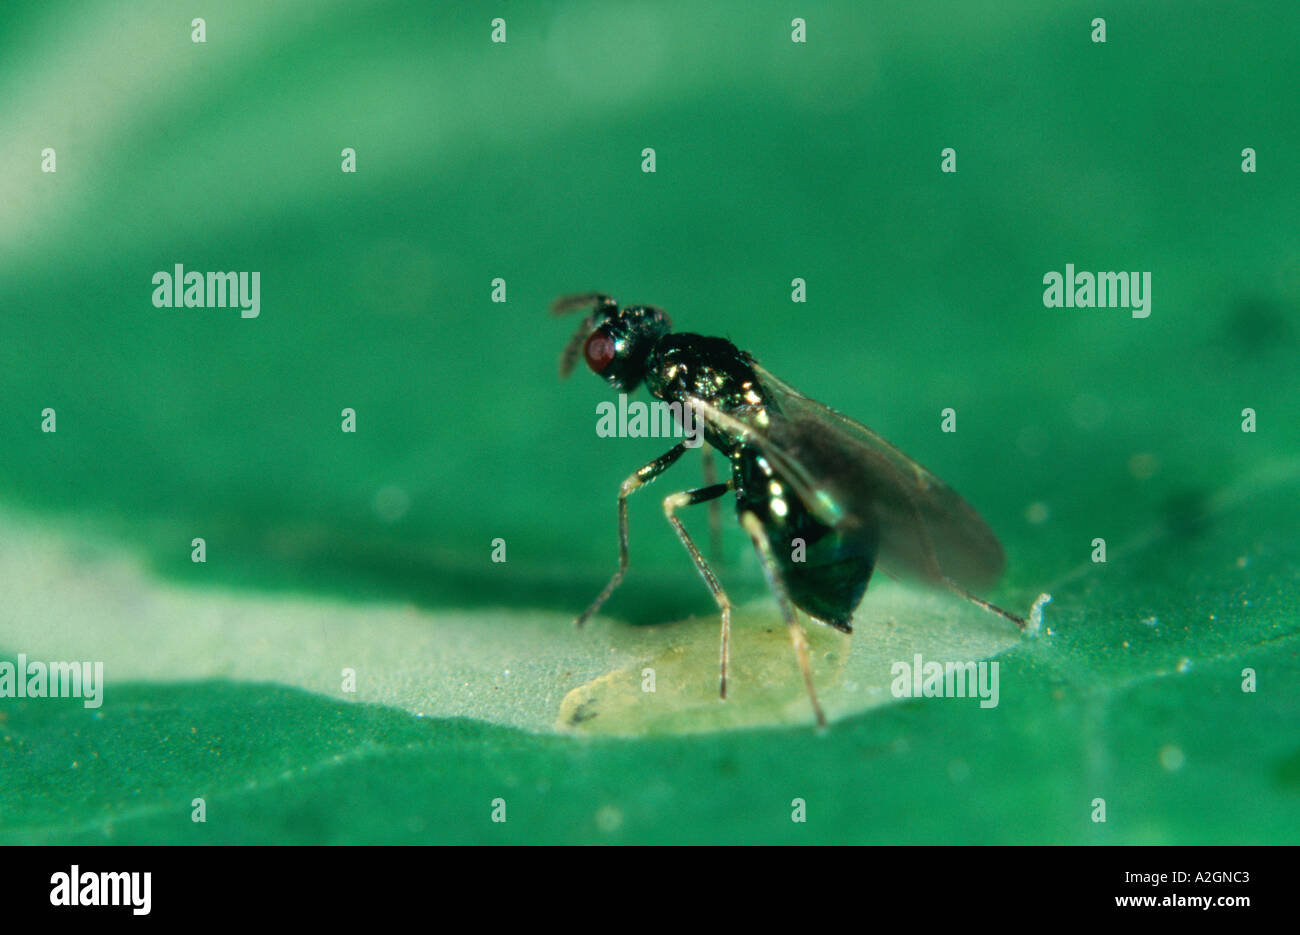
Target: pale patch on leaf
{"x": 71, "y": 597}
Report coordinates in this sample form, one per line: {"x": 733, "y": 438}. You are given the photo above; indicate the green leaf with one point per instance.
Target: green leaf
{"x": 1108, "y": 702}
{"x": 370, "y": 551}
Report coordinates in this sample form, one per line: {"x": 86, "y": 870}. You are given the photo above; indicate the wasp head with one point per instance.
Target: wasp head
{"x": 616, "y": 343}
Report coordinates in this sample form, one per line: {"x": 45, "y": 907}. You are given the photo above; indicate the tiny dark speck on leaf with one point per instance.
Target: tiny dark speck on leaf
{"x": 1186, "y": 513}
{"x": 1287, "y": 771}
{"x": 1257, "y": 325}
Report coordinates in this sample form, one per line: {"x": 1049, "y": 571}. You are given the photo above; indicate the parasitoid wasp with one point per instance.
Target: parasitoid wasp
{"x": 799, "y": 471}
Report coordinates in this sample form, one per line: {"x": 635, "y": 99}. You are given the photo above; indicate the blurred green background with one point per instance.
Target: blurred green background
{"x": 775, "y": 160}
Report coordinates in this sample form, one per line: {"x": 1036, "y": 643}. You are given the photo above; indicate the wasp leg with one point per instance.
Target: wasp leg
{"x": 675, "y": 502}
{"x": 640, "y": 478}
{"x": 797, "y": 635}
{"x": 715, "y": 508}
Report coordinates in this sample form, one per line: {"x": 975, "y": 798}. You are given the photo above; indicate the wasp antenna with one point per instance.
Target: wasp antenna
{"x": 570, "y": 355}
{"x": 599, "y": 303}
{"x": 571, "y": 303}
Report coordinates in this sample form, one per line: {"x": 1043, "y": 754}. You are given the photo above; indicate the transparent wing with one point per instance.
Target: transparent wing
{"x": 848, "y": 476}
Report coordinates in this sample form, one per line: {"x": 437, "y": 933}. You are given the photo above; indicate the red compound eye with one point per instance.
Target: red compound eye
{"x": 599, "y": 351}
